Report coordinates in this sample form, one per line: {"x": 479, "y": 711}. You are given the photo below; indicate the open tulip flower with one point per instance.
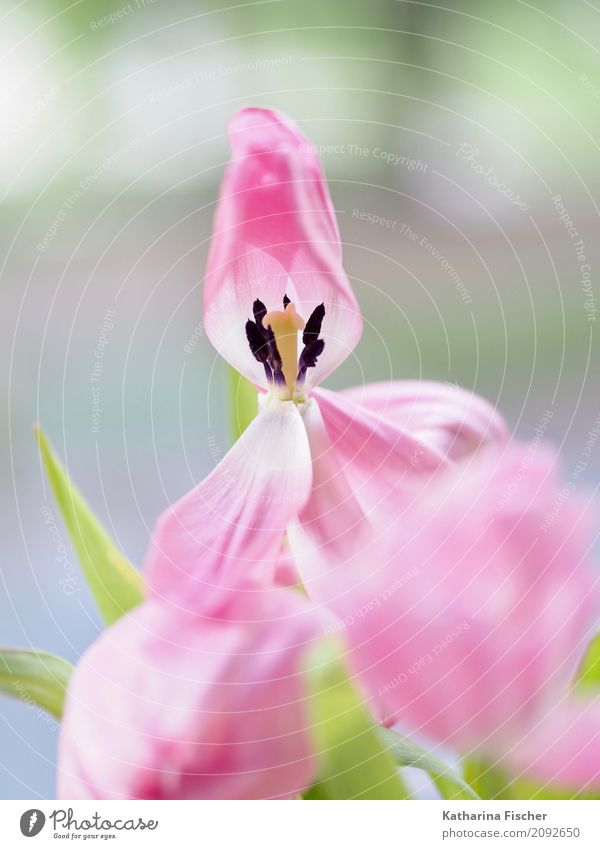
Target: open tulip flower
{"x": 471, "y": 624}
{"x": 279, "y": 308}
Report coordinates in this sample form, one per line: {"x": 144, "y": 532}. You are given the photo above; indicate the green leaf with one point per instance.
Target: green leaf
{"x": 526, "y": 788}
{"x": 316, "y": 792}
{"x": 407, "y": 753}
{"x": 487, "y": 779}
{"x": 493, "y": 782}
{"x": 588, "y": 675}
{"x": 35, "y": 676}
{"x": 244, "y": 402}
{"x": 354, "y": 764}
{"x": 116, "y": 586}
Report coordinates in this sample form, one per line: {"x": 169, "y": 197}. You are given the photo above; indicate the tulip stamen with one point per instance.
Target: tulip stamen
{"x": 273, "y": 341}
{"x": 313, "y": 346}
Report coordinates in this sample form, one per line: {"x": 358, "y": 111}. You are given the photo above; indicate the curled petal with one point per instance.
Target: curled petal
{"x": 384, "y": 462}
{"x": 445, "y": 417}
{"x": 172, "y": 705}
{"x": 366, "y": 471}
{"x": 275, "y": 235}
{"x": 233, "y": 523}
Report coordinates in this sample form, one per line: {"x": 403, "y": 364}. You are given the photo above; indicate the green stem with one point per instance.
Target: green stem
{"x": 243, "y": 402}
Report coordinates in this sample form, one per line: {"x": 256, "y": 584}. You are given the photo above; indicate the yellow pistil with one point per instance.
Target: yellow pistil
{"x": 285, "y": 325}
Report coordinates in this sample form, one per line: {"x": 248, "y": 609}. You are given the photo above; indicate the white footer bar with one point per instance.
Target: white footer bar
{"x": 292, "y": 825}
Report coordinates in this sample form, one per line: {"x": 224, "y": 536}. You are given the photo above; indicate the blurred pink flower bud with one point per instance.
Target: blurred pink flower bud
{"x": 172, "y": 705}
{"x": 469, "y": 624}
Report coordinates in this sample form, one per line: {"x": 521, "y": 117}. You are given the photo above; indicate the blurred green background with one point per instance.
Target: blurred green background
{"x": 471, "y": 124}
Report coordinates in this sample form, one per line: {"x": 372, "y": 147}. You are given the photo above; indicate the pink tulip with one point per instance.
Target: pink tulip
{"x": 469, "y": 625}
{"x": 279, "y": 307}
{"x": 173, "y": 705}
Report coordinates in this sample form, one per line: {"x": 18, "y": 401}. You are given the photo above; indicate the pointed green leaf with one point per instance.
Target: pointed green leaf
{"x": 115, "y": 584}
{"x": 244, "y": 402}
{"x": 354, "y": 763}
{"x": 35, "y": 676}
{"x": 407, "y": 753}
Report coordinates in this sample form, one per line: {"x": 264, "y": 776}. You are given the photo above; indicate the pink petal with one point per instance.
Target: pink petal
{"x": 332, "y": 527}
{"x": 171, "y": 705}
{"x": 563, "y": 748}
{"x": 445, "y": 417}
{"x": 384, "y": 463}
{"x": 274, "y": 234}
{"x": 233, "y": 523}
{"x": 472, "y": 615}
{"x": 367, "y": 469}
{"x": 286, "y": 574}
